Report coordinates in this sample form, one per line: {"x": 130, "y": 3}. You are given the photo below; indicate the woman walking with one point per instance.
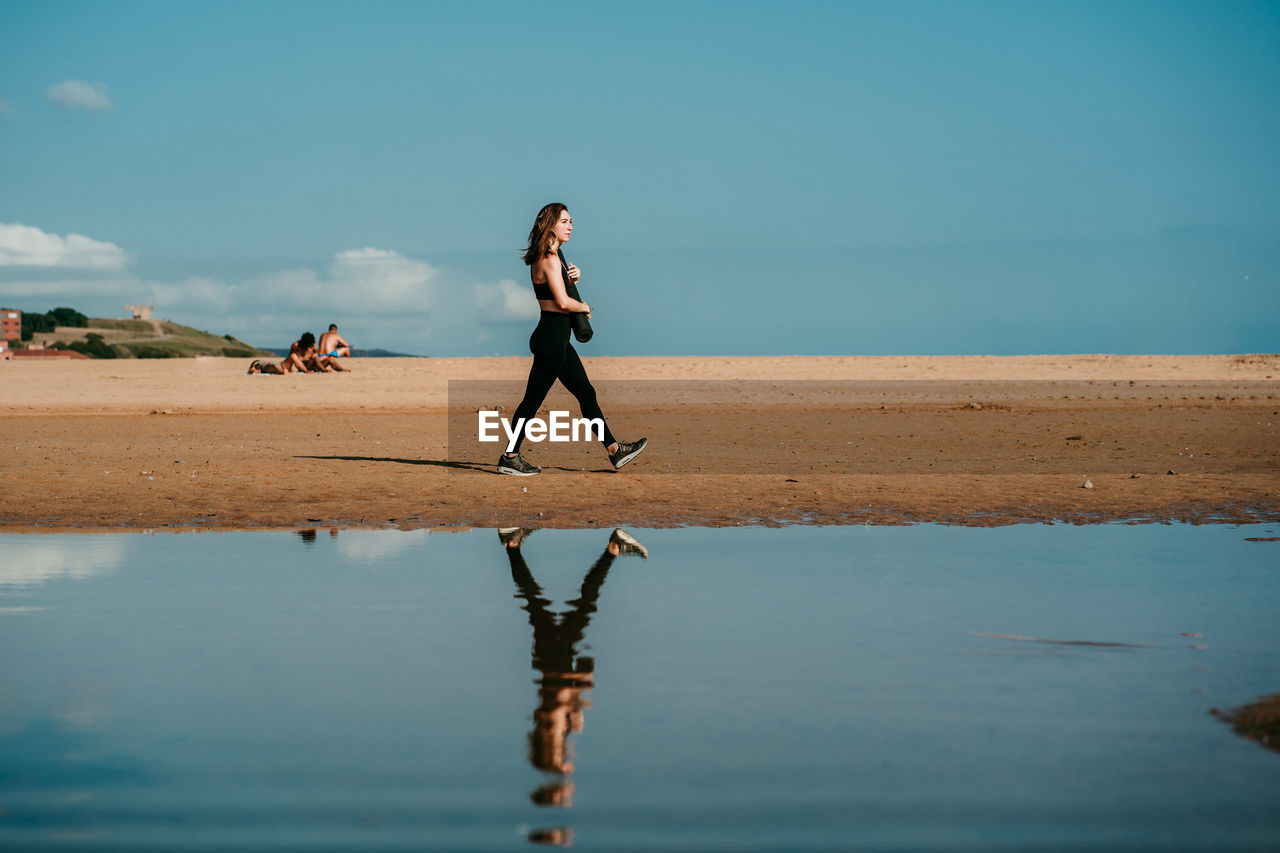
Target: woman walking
{"x": 553, "y": 355}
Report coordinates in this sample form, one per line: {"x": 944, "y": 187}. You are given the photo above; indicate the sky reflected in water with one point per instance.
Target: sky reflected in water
{"x": 793, "y": 688}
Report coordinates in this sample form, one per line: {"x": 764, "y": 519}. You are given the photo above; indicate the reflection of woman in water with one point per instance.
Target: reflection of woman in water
{"x": 564, "y": 675}
{"x": 553, "y": 356}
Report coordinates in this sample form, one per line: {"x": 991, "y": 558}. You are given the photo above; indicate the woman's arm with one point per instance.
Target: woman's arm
{"x": 550, "y": 267}
{"x": 311, "y": 358}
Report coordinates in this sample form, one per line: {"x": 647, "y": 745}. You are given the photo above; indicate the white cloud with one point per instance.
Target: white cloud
{"x": 505, "y": 302}
{"x": 25, "y": 246}
{"x": 367, "y": 253}
{"x": 6, "y": 107}
{"x": 387, "y": 277}
{"x": 359, "y": 281}
{"x": 200, "y": 294}
{"x": 79, "y": 95}
{"x": 379, "y": 297}
{"x": 363, "y": 290}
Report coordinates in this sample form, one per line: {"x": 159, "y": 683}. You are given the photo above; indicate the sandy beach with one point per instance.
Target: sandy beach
{"x": 152, "y": 444}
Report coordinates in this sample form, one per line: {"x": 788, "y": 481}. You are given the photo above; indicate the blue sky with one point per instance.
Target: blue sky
{"x": 745, "y": 177}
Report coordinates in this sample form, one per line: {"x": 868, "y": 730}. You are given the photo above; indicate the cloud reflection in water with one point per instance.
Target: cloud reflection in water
{"x": 32, "y": 561}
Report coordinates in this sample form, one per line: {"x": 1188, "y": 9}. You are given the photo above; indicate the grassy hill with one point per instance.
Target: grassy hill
{"x": 151, "y": 339}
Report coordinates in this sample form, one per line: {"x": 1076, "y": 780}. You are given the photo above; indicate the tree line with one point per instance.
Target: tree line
{"x": 48, "y": 321}
{"x": 93, "y": 346}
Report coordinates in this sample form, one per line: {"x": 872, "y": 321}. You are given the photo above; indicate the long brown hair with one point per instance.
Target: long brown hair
{"x": 540, "y": 235}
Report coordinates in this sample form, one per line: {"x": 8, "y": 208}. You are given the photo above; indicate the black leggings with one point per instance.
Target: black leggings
{"x": 556, "y": 637}
{"x": 555, "y": 358}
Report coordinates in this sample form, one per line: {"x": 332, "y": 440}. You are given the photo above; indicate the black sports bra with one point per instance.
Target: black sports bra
{"x": 542, "y": 289}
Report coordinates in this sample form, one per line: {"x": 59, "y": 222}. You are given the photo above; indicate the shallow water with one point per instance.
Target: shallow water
{"x": 741, "y": 688}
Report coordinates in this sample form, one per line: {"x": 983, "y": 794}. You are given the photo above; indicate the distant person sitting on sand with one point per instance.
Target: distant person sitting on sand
{"x": 332, "y": 344}
{"x": 303, "y": 357}
{"x": 266, "y": 367}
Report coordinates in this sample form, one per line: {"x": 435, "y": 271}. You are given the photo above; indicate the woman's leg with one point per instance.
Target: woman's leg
{"x": 547, "y": 344}
{"x": 574, "y": 377}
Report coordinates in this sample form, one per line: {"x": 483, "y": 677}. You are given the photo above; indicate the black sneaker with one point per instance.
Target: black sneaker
{"x": 516, "y": 465}
{"x": 627, "y": 450}
{"x": 628, "y": 544}
{"x": 513, "y": 536}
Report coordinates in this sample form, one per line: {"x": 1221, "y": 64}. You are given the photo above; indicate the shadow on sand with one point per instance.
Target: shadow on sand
{"x": 484, "y": 468}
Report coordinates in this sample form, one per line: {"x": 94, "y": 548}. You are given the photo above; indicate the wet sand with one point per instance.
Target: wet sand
{"x": 970, "y": 440}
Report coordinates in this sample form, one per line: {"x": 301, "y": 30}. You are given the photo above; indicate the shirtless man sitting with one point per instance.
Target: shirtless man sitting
{"x": 332, "y": 344}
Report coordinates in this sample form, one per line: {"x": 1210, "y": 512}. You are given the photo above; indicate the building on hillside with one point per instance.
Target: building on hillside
{"x": 140, "y": 312}
{"x": 10, "y": 324}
